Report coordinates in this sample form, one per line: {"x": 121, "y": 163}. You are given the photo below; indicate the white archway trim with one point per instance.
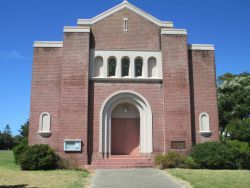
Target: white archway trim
{"x": 142, "y": 105}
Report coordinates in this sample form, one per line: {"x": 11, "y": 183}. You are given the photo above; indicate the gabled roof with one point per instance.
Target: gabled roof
{"x": 124, "y": 4}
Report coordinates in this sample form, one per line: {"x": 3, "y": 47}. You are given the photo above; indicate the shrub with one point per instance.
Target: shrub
{"x": 241, "y": 151}
{"x": 170, "y": 160}
{"x": 39, "y": 157}
{"x": 159, "y": 160}
{"x": 190, "y": 163}
{"x": 214, "y": 155}
{"x": 239, "y": 130}
{"x": 20, "y": 149}
{"x": 63, "y": 164}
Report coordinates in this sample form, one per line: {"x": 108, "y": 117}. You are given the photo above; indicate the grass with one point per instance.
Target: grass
{"x": 213, "y": 178}
{"x": 11, "y": 175}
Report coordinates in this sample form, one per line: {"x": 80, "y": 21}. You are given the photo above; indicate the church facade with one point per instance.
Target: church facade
{"x": 121, "y": 88}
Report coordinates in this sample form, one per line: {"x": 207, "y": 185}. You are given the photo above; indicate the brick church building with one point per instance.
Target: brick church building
{"x": 121, "y": 88}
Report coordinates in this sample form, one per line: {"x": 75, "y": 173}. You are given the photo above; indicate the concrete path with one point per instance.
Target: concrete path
{"x": 133, "y": 178}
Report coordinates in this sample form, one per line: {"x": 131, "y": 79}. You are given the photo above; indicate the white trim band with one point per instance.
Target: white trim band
{"x": 201, "y": 47}
{"x": 135, "y": 79}
{"x": 124, "y": 4}
{"x": 48, "y": 44}
{"x": 74, "y": 140}
{"x": 76, "y": 29}
{"x": 172, "y": 31}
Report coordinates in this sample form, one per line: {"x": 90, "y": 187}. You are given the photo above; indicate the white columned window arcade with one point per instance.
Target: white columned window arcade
{"x": 151, "y": 65}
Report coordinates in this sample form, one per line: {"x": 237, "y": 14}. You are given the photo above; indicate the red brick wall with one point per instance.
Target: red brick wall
{"x": 60, "y": 87}
{"x": 203, "y": 89}
{"x": 176, "y": 89}
{"x": 141, "y": 35}
{"x": 74, "y": 93}
{"x": 45, "y": 95}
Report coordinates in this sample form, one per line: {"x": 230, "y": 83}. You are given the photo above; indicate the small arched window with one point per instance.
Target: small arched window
{"x": 44, "y": 123}
{"x": 98, "y": 66}
{"x": 152, "y": 69}
{"x": 138, "y": 66}
{"x": 125, "y": 24}
{"x": 111, "y": 66}
{"x": 204, "y": 122}
{"x": 125, "y": 66}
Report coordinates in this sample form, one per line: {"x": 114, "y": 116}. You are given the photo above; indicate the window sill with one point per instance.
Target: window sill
{"x": 44, "y": 134}
{"x": 205, "y": 133}
{"x": 127, "y": 79}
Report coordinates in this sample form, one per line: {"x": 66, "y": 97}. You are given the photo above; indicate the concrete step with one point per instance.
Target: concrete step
{"x": 126, "y": 157}
{"x": 115, "y": 162}
{"x": 122, "y": 162}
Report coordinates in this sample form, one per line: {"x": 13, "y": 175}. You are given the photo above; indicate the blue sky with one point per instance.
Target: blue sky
{"x": 225, "y": 23}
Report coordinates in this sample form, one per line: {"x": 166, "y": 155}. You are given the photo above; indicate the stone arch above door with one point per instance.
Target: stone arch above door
{"x": 125, "y": 110}
{"x": 142, "y": 105}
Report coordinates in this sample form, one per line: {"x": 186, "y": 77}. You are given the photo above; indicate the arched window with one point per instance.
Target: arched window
{"x": 152, "y": 69}
{"x": 98, "y": 66}
{"x": 111, "y": 66}
{"x": 204, "y": 122}
{"x": 125, "y": 66}
{"x": 44, "y": 123}
{"x": 138, "y": 66}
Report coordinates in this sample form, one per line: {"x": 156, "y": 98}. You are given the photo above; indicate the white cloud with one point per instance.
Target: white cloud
{"x": 12, "y": 55}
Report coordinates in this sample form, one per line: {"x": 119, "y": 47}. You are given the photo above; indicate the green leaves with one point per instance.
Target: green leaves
{"x": 38, "y": 157}
{"x": 24, "y": 131}
{"x": 239, "y": 130}
{"x": 214, "y": 155}
{"x": 233, "y": 98}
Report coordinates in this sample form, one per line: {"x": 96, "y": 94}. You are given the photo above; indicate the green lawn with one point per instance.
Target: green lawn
{"x": 214, "y": 178}
{"x": 11, "y": 175}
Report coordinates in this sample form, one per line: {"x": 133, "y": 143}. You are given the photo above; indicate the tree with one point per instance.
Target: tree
{"x": 233, "y": 98}
{"x": 6, "y": 141}
{"x": 7, "y": 129}
{"x": 24, "y": 133}
{"x": 24, "y": 130}
{"x": 239, "y": 130}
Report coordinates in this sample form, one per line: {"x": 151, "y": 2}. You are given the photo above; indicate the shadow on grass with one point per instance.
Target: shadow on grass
{"x": 15, "y": 186}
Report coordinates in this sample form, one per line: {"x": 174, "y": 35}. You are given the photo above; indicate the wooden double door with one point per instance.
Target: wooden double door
{"x": 125, "y": 136}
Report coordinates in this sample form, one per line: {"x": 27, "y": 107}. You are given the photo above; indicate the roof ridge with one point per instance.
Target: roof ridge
{"x": 125, "y": 4}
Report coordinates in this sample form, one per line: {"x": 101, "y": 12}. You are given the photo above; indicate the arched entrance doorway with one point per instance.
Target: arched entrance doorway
{"x": 142, "y": 111}
{"x": 125, "y": 130}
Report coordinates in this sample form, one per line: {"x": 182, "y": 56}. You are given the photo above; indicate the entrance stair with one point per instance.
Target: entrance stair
{"x": 121, "y": 161}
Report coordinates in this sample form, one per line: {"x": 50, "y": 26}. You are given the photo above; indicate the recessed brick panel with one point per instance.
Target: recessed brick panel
{"x": 141, "y": 35}
{"x": 204, "y": 94}
{"x": 99, "y": 91}
{"x": 177, "y": 111}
